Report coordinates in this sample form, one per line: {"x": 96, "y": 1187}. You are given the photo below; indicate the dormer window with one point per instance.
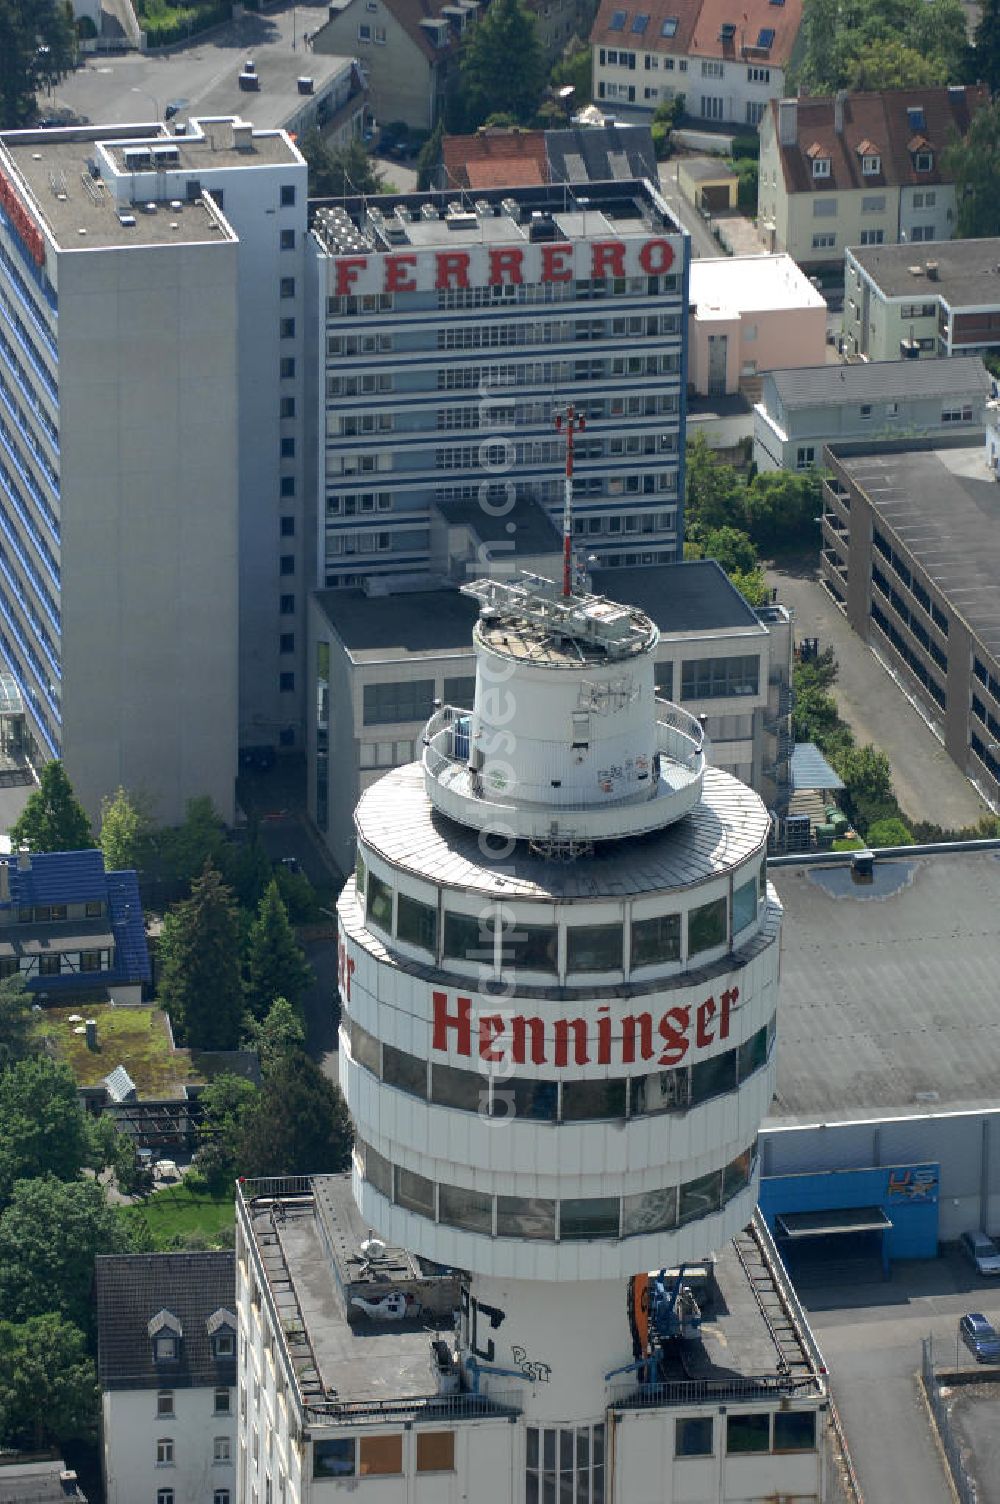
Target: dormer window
{"x": 221, "y": 1327}
{"x": 165, "y": 1333}
{"x": 820, "y": 163}
{"x": 165, "y": 1348}
{"x": 871, "y": 159}
{"x": 923, "y": 161}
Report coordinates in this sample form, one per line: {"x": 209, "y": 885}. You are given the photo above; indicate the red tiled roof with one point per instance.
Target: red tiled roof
{"x": 881, "y": 118}
{"x": 698, "y": 31}
{"x": 495, "y": 159}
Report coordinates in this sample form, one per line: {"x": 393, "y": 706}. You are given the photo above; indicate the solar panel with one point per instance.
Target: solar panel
{"x": 618, "y": 20}
{"x": 639, "y": 23}
{"x": 669, "y": 27}
{"x": 765, "y": 37}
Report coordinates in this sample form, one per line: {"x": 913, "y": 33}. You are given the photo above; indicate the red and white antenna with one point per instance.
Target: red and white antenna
{"x": 570, "y": 421}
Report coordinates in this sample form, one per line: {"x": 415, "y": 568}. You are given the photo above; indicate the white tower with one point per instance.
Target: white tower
{"x": 558, "y": 965}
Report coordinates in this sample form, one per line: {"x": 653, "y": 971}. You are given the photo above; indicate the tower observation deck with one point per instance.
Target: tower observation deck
{"x": 558, "y": 974}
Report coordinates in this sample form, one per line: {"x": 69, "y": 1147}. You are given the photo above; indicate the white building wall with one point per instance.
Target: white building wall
{"x": 714, "y": 89}
{"x": 927, "y": 213}
{"x": 131, "y": 1428}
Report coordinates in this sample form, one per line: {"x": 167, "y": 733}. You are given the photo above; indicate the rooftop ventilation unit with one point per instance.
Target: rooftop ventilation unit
{"x": 135, "y": 158}
{"x": 242, "y": 136}
{"x": 461, "y": 219}
{"x": 304, "y": 85}
{"x": 127, "y": 221}
{"x": 484, "y": 208}
{"x": 428, "y": 211}
{"x": 511, "y": 207}
{"x": 165, "y": 156}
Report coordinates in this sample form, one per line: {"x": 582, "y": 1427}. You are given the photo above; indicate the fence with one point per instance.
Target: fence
{"x": 965, "y": 1487}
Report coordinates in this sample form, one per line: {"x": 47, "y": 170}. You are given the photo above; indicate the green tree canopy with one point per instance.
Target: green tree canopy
{"x": 782, "y": 508}
{"x": 299, "y": 1124}
{"x": 576, "y": 67}
{"x": 275, "y": 964}
{"x": 17, "y": 1027}
{"x": 277, "y": 1036}
{"x": 42, "y": 1127}
{"x": 126, "y": 825}
{"x": 48, "y": 1387}
{"x": 53, "y": 818}
{"x": 915, "y": 42}
{"x": 889, "y": 832}
{"x": 200, "y": 982}
{"x": 338, "y": 171}
{"x": 501, "y": 69}
{"x": 986, "y": 63}
{"x": 50, "y": 1235}
{"x": 429, "y": 159}
{"x": 888, "y": 63}
{"x": 184, "y": 849}
{"x": 974, "y": 163}
{"x": 225, "y": 1103}
{"x": 713, "y": 492}
{"x": 37, "y": 47}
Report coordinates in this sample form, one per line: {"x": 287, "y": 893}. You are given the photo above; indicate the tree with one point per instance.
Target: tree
{"x": 501, "y": 68}
{"x": 246, "y": 868}
{"x": 889, "y": 832}
{"x": 913, "y": 42}
{"x": 125, "y": 828}
{"x": 42, "y": 1127}
{"x": 430, "y": 158}
{"x": 299, "y": 1124}
{"x": 277, "y": 1036}
{"x": 185, "y": 849}
{"x": 987, "y": 56}
{"x": 53, "y": 818}
{"x": 338, "y": 171}
{"x": 200, "y": 983}
{"x": 50, "y": 1235}
{"x": 888, "y": 63}
{"x": 732, "y": 548}
{"x": 783, "y": 508}
{"x": 275, "y": 964}
{"x": 17, "y": 1025}
{"x": 713, "y": 492}
{"x": 115, "y": 1151}
{"x": 48, "y": 1387}
{"x": 225, "y": 1103}
{"x": 974, "y": 163}
{"x": 576, "y": 67}
{"x": 37, "y": 47}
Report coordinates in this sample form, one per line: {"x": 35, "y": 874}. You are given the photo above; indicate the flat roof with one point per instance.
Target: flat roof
{"x": 80, "y": 210}
{"x": 691, "y": 595}
{"x": 968, "y": 271}
{"x": 880, "y": 381}
{"x": 888, "y": 990}
{"x": 707, "y": 169}
{"x": 758, "y": 284}
{"x": 523, "y": 525}
{"x": 945, "y": 508}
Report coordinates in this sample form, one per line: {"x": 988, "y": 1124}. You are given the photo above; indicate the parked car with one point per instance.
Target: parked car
{"x": 981, "y": 1251}
{"x": 980, "y": 1337}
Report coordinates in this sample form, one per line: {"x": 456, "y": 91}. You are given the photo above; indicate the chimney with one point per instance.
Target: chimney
{"x": 91, "y": 1027}
{"x": 788, "y": 122}
{"x": 839, "y": 100}
{"x": 24, "y": 860}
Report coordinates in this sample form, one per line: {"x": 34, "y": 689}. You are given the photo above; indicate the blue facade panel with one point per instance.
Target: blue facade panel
{"x": 907, "y": 1194}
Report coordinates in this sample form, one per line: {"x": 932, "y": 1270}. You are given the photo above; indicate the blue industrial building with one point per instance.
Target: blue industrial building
{"x": 891, "y": 1212}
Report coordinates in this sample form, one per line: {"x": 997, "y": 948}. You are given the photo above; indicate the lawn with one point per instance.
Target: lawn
{"x": 137, "y": 1038}
{"x": 178, "y": 1210}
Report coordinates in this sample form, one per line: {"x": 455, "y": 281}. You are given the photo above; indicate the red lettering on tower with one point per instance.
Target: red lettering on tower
{"x": 656, "y": 257}
{"x": 345, "y": 970}
{"x": 607, "y": 258}
{"x": 490, "y": 1028}
{"x": 604, "y": 1035}
{"x": 728, "y": 1000}
{"x": 554, "y": 268}
{"x": 581, "y": 1055}
{"x": 520, "y": 1029}
{"x": 506, "y": 261}
{"x": 631, "y": 1024}
{"x": 452, "y": 269}
{"x": 348, "y": 268}
{"x": 397, "y": 278}
{"x": 460, "y": 1021}
{"x": 674, "y": 1027}
{"x": 706, "y": 1012}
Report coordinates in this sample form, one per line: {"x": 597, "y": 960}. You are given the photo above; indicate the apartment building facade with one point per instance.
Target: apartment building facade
{"x": 864, "y": 169}
{"x": 940, "y": 301}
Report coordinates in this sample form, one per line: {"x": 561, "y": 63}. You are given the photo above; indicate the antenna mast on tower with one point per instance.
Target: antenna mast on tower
{"x": 570, "y": 421}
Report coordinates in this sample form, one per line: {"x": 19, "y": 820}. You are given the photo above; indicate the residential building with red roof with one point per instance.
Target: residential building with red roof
{"x": 728, "y": 60}
{"x": 860, "y": 170}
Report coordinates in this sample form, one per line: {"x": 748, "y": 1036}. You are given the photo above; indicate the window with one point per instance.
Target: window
{"x": 669, "y": 27}
{"x": 748, "y": 1433}
{"x": 758, "y": 76}
{"x": 871, "y": 165}
{"x": 286, "y": 642}
{"x": 287, "y": 449}
{"x": 805, "y": 456}
{"x": 460, "y": 690}
{"x": 286, "y": 682}
{"x": 824, "y": 208}
{"x": 379, "y": 902}
{"x": 287, "y": 564}
{"x": 49, "y": 966}
{"x": 165, "y": 1402}
{"x": 468, "y": 938}
{"x": 923, "y": 161}
{"x": 744, "y": 905}
{"x": 220, "y": 1496}
{"x": 707, "y": 926}
{"x": 865, "y": 411}
{"x": 435, "y": 1451}
{"x": 596, "y": 1217}
{"x": 617, "y": 22}
{"x": 164, "y": 1451}
{"x": 821, "y": 167}
{"x": 286, "y": 328}
{"x": 957, "y": 414}
{"x": 90, "y": 960}
{"x": 693, "y": 1436}
{"x": 224, "y": 1345}
{"x": 415, "y": 1193}
{"x": 873, "y": 204}
{"x": 594, "y": 947}
{"x": 165, "y": 1347}
{"x": 334, "y": 1459}
{"x": 286, "y": 367}
{"x": 287, "y": 488}
{"x": 711, "y": 68}
{"x": 287, "y": 195}
{"x": 795, "y": 1431}
{"x": 719, "y": 678}
{"x": 220, "y": 1449}
{"x": 288, "y": 240}
{"x": 700, "y": 1197}
{"x": 286, "y": 287}
{"x": 526, "y": 1217}
{"x": 287, "y": 605}
{"x": 398, "y": 700}
{"x": 754, "y": 112}
{"x": 364, "y": 32}
{"x": 872, "y": 237}
{"x": 656, "y": 940}
{"x": 164, "y": 1496}
{"x": 223, "y": 1401}
{"x": 528, "y": 947}
{"x": 286, "y": 407}
{"x": 94, "y": 908}
{"x": 287, "y": 525}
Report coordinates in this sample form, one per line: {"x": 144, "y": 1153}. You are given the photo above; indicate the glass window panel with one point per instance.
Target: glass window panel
{"x": 593, "y": 1099}
{"x": 522, "y": 1097}
{"x": 468, "y": 1090}
{"x": 378, "y": 1171}
{"x": 700, "y": 1196}
{"x": 379, "y": 903}
{"x": 402, "y": 700}
{"x": 460, "y": 691}
{"x": 710, "y": 1078}
{"x": 469, "y": 938}
{"x": 693, "y": 1436}
{"x": 649, "y": 1211}
{"x": 795, "y": 1431}
{"x": 532, "y": 1447}
{"x": 748, "y": 1433}
{"x": 663, "y": 676}
{"x": 404, "y": 1071}
{"x": 334, "y": 1459}
{"x": 736, "y": 1174}
{"x": 706, "y": 926}
{"x": 549, "y": 1450}
{"x": 595, "y": 1217}
{"x": 435, "y": 1451}
{"x": 583, "y": 1446}
{"x": 526, "y": 1217}
{"x": 364, "y": 1048}
{"x": 762, "y": 879}
{"x": 594, "y": 947}
{"x": 416, "y": 923}
{"x": 656, "y": 940}
{"x": 459, "y": 1207}
{"x": 661, "y": 1091}
{"x": 744, "y": 905}
{"x": 531, "y": 1489}
{"x": 565, "y": 1451}
{"x": 599, "y": 1445}
{"x": 415, "y": 1192}
{"x": 529, "y": 947}
{"x": 380, "y": 1455}
{"x": 753, "y": 1054}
